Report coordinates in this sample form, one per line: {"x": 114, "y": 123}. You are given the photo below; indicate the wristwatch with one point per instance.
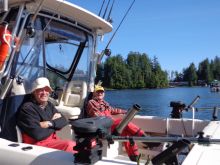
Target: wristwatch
{"x": 50, "y": 124}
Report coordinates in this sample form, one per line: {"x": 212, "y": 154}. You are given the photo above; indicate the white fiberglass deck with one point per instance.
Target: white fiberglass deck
{"x": 38, "y": 155}
{"x": 206, "y": 154}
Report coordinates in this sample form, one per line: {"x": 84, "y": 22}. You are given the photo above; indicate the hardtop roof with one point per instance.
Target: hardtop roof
{"x": 71, "y": 11}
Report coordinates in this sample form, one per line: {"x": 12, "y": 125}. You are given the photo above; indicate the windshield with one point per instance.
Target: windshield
{"x": 60, "y": 48}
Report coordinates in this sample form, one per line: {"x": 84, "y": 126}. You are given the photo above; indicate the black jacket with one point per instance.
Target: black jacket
{"x": 30, "y": 115}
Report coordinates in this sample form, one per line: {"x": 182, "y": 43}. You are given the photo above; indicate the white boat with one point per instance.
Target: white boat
{"x": 215, "y": 86}
{"x": 58, "y": 39}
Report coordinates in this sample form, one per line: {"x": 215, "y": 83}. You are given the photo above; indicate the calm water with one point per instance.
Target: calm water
{"x": 155, "y": 102}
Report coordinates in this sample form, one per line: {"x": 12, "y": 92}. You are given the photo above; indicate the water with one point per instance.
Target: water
{"x": 155, "y": 102}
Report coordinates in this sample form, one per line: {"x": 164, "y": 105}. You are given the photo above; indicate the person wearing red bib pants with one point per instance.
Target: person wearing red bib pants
{"x": 97, "y": 106}
{"x": 39, "y": 120}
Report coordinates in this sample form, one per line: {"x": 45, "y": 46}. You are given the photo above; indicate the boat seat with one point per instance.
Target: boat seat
{"x": 72, "y": 101}
{"x": 10, "y": 107}
{"x": 17, "y": 88}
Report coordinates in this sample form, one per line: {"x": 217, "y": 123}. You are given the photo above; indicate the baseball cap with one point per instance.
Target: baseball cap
{"x": 99, "y": 88}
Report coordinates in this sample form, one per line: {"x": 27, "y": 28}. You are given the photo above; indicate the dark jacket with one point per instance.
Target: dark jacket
{"x": 30, "y": 115}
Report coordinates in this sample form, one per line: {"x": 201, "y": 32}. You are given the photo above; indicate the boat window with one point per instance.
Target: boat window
{"x": 81, "y": 72}
{"x": 64, "y": 30}
{"x": 82, "y": 69}
{"x": 60, "y": 53}
{"x": 61, "y": 44}
{"x": 66, "y": 50}
{"x": 30, "y": 63}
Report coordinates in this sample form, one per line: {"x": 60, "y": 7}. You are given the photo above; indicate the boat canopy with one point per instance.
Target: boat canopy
{"x": 70, "y": 11}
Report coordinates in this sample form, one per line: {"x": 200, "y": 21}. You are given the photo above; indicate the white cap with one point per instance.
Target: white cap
{"x": 41, "y": 82}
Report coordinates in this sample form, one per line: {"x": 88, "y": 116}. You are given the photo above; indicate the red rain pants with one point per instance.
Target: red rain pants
{"x": 130, "y": 130}
{"x": 53, "y": 141}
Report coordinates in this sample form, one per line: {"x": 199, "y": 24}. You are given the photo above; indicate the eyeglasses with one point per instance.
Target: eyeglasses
{"x": 46, "y": 89}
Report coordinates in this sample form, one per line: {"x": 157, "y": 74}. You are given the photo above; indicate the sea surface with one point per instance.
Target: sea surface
{"x": 156, "y": 102}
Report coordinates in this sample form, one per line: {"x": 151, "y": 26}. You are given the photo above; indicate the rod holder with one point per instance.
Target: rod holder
{"x": 215, "y": 113}
{"x": 130, "y": 115}
{"x": 168, "y": 156}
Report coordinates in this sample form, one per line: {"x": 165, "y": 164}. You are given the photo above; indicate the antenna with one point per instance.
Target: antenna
{"x": 101, "y": 7}
{"x": 106, "y": 50}
{"x": 106, "y": 9}
{"x": 120, "y": 24}
{"x": 109, "y": 14}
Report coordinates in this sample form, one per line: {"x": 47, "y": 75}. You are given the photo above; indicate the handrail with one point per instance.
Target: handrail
{"x": 199, "y": 140}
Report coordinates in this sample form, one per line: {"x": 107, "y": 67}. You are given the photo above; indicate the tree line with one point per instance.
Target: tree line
{"x": 140, "y": 71}
{"x": 136, "y": 71}
{"x": 208, "y": 70}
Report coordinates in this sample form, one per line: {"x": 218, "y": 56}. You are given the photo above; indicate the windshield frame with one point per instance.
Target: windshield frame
{"x": 68, "y": 74}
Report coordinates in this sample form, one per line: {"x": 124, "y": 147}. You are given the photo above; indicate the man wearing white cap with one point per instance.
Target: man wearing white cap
{"x": 39, "y": 120}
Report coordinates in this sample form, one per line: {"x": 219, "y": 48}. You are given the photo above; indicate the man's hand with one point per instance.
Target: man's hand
{"x": 56, "y": 116}
{"x": 44, "y": 124}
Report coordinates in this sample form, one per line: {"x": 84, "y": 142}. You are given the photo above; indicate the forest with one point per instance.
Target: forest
{"x": 207, "y": 71}
{"x": 138, "y": 70}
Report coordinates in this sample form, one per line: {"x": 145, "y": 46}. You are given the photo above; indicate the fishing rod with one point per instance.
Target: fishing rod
{"x": 107, "y": 51}
{"x": 120, "y": 23}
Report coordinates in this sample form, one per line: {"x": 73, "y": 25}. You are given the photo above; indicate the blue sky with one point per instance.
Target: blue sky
{"x": 177, "y": 32}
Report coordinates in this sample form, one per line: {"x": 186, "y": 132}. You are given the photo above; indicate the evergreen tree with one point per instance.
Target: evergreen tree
{"x": 178, "y": 77}
{"x": 115, "y": 73}
{"x": 204, "y": 72}
{"x": 216, "y": 68}
{"x": 137, "y": 71}
{"x": 159, "y": 78}
{"x": 190, "y": 75}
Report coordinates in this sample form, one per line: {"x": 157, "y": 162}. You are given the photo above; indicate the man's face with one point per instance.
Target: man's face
{"x": 42, "y": 95}
{"x": 100, "y": 95}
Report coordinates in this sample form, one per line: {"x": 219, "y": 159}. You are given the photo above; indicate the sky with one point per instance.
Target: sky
{"x": 177, "y": 32}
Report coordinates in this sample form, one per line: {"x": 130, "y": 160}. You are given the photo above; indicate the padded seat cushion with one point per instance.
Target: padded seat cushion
{"x": 73, "y": 100}
{"x": 69, "y": 112}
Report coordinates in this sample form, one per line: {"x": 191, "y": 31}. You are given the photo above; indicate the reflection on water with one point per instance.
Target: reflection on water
{"x": 155, "y": 102}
